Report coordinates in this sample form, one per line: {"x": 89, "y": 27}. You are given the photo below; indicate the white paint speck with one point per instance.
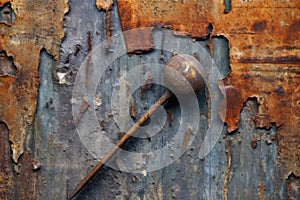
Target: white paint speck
{"x": 144, "y": 172}
{"x": 98, "y": 101}
{"x": 61, "y": 77}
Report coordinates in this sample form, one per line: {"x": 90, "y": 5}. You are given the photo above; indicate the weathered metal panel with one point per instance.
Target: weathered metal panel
{"x": 260, "y": 42}
{"x": 37, "y": 25}
{"x": 276, "y": 87}
{"x": 25, "y": 28}
{"x": 264, "y": 42}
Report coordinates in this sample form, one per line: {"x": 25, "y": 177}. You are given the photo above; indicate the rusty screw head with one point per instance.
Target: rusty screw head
{"x": 181, "y": 71}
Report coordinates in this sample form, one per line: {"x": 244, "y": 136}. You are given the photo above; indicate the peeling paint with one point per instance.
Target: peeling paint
{"x": 256, "y": 172}
{"x": 7, "y": 14}
{"x": 17, "y": 181}
{"x": 104, "y": 4}
{"x": 276, "y": 88}
{"x": 62, "y": 77}
{"x": 293, "y": 187}
{"x": 186, "y": 18}
{"x": 37, "y": 25}
{"x": 264, "y": 56}
{"x": 7, "y": 66}
{"x": 6, "y": 169}
{"x": 261, "y": 191}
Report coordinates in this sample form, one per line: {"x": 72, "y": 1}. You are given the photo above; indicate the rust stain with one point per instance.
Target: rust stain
{"x": 84, "y": 106}
{"x": 6, "y": 169}
{"x": 293, "y": 187}
{"x": 263, "y": 120}
{"x": 142, "y": 38}
{"x": 228, "y": 113}
{"x": 27, "y": 180}
{"x": 17, "y": 181}
{"x": 104, "y": 4}
{"x": 274, "y": 60}
{"x": 228, "y": 170}
{"x": 108, "y": 28}
{"x": 148, "y": 83}
{"x": 121, "y": 134}
{"x": 89, "y": 42}
{"x": 254, "y": 141}
{"x": 294, "y": 30}
{"x": 259, "y": 26}
{"x": 132, "y": 111}
{"x": 89, "y": 59}
{"x": 7, "y": 66}
{"x": 264, "y": 47}
{"x": 32, "y": 30}
{"x": 261, "y": 191}
{"x": 186, "y": 139}
{"x": 185, "y": 17}
{"x": 276, "y": 87}
{"x": 102, "y": 124}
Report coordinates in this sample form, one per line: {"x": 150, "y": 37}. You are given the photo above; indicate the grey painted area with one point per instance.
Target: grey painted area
{"x": 65, "y": 161}
{"x": 252, "y": 167}
{"x": 7, "y": 14}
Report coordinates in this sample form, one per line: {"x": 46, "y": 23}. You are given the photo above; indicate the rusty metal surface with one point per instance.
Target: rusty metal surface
{"x": 276, "y": 88}
{"x": 142, "y": 38}
{"x": 264, "y": 56}
{"x": 37, "y": 25}
{"x": 6, "y": 173}
{"x": 25, "y": 28}
{"x": 13, "y": 176}
{"x": 185, "y": 17}
{"x": 263, "y": 89}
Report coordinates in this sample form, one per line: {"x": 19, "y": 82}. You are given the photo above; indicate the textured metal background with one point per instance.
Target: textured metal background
{"x": 43, "y": 44}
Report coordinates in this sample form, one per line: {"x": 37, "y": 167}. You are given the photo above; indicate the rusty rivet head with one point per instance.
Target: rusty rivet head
{"x": 181, "y": 73}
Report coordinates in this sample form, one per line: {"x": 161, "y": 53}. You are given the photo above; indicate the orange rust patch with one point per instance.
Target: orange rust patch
{"x": 187, "y": 17}
{"x": 276, "y": 87}
{"x": 104, "y": 4}
{"x": 142, "y": 38}
{"x": 37, "y": 25}
{"x": 264, "y": 56}
{"x": 2, "y": 2}
{"x": 233, "y": 104}
{"x": 261, "y": 191}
